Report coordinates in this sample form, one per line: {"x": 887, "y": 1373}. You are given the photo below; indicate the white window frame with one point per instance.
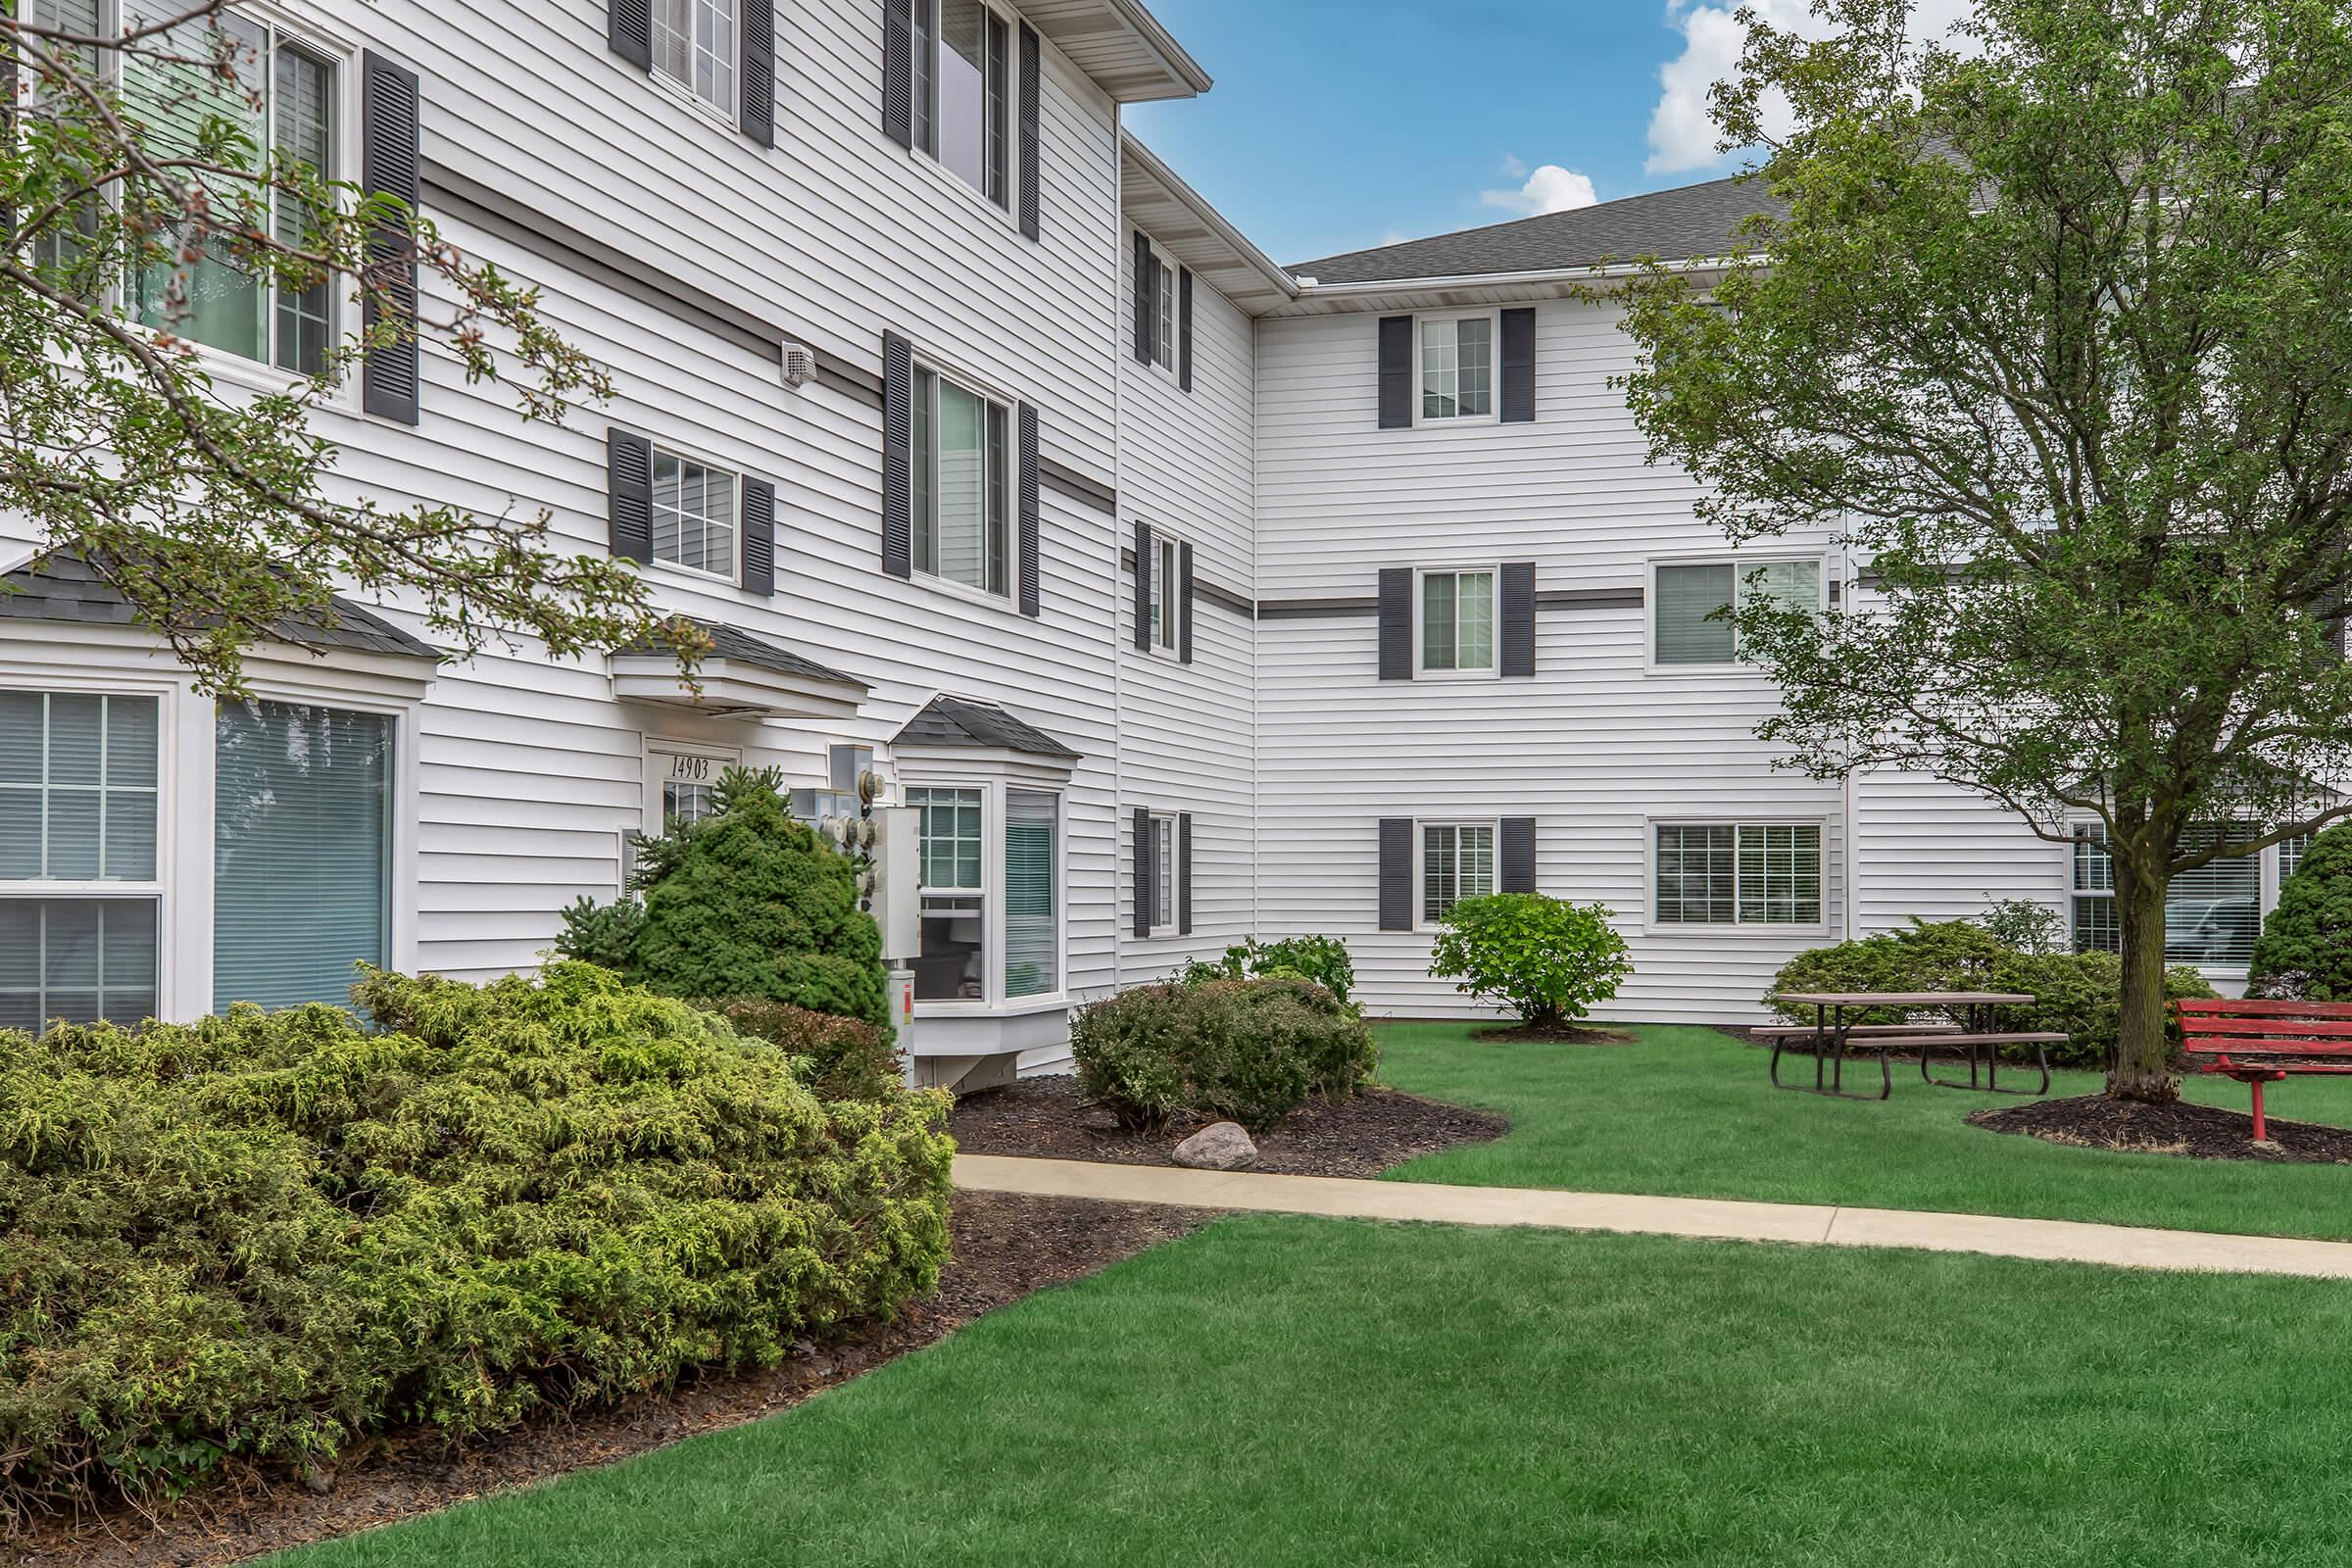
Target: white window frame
{"x": 1167, "y": 835}
{"x": 730, "y": 113}
{"x": 1422, "y": 920}
{"x": 2268, "y": 878}
{"x": 1421, "y": 577}
{"x": 977, "y": 387}
{"x": 923, "y": 85}
{"x": 733, "y": 576}
{"x": 1166, "y": 606}
{"x": 1492, "y": 316}
{"x": 1742, "y": 568}
{"x": 1165, "y": 322}
{"x": 992, "y": 785}
{"x": 1659, "y": 925}
{"x": 224, "y": 365}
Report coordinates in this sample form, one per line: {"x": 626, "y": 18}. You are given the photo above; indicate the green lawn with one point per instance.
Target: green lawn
{"x": 1277, "y": 1392}
{"x": 1687, "y": 1113}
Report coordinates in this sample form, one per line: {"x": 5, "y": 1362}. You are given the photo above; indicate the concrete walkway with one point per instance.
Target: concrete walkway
{"x": 1809, "y": 1225}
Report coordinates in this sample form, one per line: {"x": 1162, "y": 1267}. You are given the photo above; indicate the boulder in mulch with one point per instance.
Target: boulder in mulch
{"x": 1219, "y": 1145}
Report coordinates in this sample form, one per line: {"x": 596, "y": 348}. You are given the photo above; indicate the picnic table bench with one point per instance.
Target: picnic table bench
{"x": 2259, "y": 1043}
{"x": 1832, "y": 1036}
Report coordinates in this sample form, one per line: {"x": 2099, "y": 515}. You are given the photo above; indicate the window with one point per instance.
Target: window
{"x": 301, "y": 843}
{"x": 1457, "y": 368}
{"x": 961, "y": 493}
{"x": 693, "y": 514}
{"x": 1689, "y": 597}
{"x": 1456, "y": 864}
{"x": 1458, "y": 621}
{"x": 78, "y": 807}
{"x": 1032, "y": 871}
{"x": 1163, "y": 298}
{"x": 2212, "y": 913}
{"x": 680, "y": 781}
{"x": 1721, "y": 873}
{"x": 1165, "y": 871}
{"x": 954, "y": 962}
{"x": 694, "y": 46}
{"x": 2291, "y": 855}
{"x": 284, "y": 97}
{"x": 961, "y": 81}
{"x": 1166, "y": 594}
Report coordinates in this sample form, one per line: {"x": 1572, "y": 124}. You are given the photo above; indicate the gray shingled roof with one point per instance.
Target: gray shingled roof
{"x": 60, "y": 586}
{"x": 1690, "y": 221}
{"x": 953, "y": 721}
{"x": 741, "y": 647}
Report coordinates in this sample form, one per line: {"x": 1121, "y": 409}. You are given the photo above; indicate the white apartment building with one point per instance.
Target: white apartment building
{"x": 1188, "y": 595}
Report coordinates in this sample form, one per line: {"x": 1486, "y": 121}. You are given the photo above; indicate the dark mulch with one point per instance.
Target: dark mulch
{"x": 1046, "y": 1118}
{"x": 2198, "y": 1132}
{"x": 1573, "y": 1034}
{"x": 1006, "y": 1247}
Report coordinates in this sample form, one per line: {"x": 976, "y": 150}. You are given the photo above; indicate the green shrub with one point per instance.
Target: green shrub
{"x": 1543, "y": 959}
{"x": 2027, "y": 925}
{"x": 252, "y": 1239}
{"x": 842, "y": 1058}
{"x": 745, "y": 903}
{"x": 1322, "y": 960}
{"x": 2081, "y": 994}
{"x": 1247, "y": 1051}
{"x": 2305, "y": 949}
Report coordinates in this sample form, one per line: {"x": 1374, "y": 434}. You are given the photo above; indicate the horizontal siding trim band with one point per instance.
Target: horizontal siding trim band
{"x": 1342, "y": 608}
{"x": 1068, "y": 481}
{"x": 1589, "y": 599}
{"x": 1223, "y": 598}
{"x": 513, "y": 221}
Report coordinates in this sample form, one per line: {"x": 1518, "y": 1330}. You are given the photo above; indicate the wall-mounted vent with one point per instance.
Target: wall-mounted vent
{"x": 798, "y": 363}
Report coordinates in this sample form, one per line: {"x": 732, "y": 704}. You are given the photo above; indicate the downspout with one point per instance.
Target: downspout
{"x": 1118, "y": 486}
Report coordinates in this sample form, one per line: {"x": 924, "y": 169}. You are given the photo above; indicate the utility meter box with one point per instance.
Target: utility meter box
{"x": 897, "y": 873}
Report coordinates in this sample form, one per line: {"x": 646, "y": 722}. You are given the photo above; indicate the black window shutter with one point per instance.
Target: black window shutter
{"x": 756, "y": 83}
{"x": 1029, "y": 513}
{"x": 1516, "y": 871}
{"x": 1184, "y": 329}
{"x": 1519, "y": 367}
{"x": 1396, "y": 372}
{"x": 1143, "y": 587}
{"x": 388, "y": 156}
{"x": 1147, "y": 314}
{"x": 1395, "y": 624}
{"x": 1184, "y": 603}
{"x": 1518, "y": 651}
{"x": 629, "y": 30}
{"x": 759, "y": 536}
{"x": 898, "y": 72}
{"x": 1184, "y": 874}
{"x": 629, "y": 491}
{"x": 898, "y": 455}
{"x": 1031, "y": 47}
{"x": 1143, "y": 870}
{"x": 1396, "y": 874}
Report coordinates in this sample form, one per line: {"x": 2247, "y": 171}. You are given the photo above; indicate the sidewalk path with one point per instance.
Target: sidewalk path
{"x": 1810, "y": 1225}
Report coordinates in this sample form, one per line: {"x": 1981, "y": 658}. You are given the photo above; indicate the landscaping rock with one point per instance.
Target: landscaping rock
{"x": 1220, "y": 1146}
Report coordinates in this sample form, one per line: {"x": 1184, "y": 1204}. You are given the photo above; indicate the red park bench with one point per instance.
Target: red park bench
{"x": 2259, "y": 1043}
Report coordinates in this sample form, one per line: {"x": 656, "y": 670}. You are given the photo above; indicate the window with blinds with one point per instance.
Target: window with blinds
{"x": 2212, "y": 912}
{"x": 1456, "y": 864}
{"x": 1743, "y": 873}
{"x": 78, "y": 809}
{"x": 1686, "y": 628}
{"x": 301, "y": 852}
{"x": 1032, "y": 923}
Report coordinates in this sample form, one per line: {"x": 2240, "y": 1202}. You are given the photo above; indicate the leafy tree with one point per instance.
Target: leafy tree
{"x": 745, "y": 904}
{"x": 2306, "y": 945}
{"x": 135, "y": 192}
{"x": 2049, "y": 330}
{"x": 1546, "y": 960}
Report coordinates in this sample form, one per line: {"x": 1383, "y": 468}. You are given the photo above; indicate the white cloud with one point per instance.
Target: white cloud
{"x": 1549, "y": 189}
{"x": 1513, "y": 167}
{"x": 1682, "y": 135}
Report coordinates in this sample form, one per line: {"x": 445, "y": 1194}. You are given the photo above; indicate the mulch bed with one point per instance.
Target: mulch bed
{"x": 1046, "y": 1118}
{"x": 2196, "y": 1132}
{"x": 1006, "y": 1247}
{"x": 1573, "y": 1034}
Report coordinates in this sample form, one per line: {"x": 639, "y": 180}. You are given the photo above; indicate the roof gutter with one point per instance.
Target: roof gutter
{"x": 1309, "y": 288}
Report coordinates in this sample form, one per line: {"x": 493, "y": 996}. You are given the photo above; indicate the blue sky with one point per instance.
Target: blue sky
{"x": 1338, "y": 126}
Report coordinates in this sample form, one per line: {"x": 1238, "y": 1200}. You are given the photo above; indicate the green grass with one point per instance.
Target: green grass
{"x": 1277, "y": 1392}
{"x": 1688, "y": 1113}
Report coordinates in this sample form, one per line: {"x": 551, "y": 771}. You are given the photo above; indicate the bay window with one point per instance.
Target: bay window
{"x": 953, "y": 966}
{"x": 1032, "y": 877}
{"x": 990, "y": 881}
{"x": 961, "y": 512}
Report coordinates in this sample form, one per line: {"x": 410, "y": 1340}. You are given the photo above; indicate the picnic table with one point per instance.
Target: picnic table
{"x": 1832, "y": 1035}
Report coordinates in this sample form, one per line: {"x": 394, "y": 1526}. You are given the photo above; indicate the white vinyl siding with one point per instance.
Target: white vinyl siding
{"x": 1687, "y": 628}
{"x": 1718, "y": 873}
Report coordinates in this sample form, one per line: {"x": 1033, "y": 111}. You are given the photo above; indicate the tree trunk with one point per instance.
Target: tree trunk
{"x": 2141, "y": 1050}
